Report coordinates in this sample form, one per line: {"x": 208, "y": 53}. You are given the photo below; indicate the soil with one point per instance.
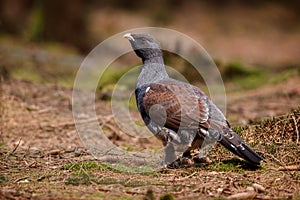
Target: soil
{"x": 38, "y": 140}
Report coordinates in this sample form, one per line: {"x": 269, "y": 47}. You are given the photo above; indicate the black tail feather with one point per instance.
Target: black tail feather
{"x": 236, "y": 145}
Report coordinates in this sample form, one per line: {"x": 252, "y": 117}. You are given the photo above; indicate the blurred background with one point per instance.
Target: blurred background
{"x": 232, "y": 29}
{"x": 254, "y": 43}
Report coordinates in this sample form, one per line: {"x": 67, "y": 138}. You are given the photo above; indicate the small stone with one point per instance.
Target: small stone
{"x": 34, "y": 150}
{"x": 32, "y": 108}
{"x": 24, "y": 181}
{"x": 219, "y": 190}
{"x": 258, "y": 188}
{"x": 250, "y": 189}
{"x": 18, "y": 143}
{"x": 54, "y": 152}
{"x": 213, "y": 173}
{"x": 77, "y": 152}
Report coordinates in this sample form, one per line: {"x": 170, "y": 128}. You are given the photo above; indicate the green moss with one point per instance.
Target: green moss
{"x": 3, "y": 179}
{"x": 95, "y": 195}
{"x": 239, "y": 129}
{"x": 120, "y": 168}
{"x": 232, "y": 165}
{"x": 243, "y": 77}
{"x": 83, "y": 166}
{"x": 85, "y": 173}
{"x": 26, "y": 73}
{"x": 123, "y": 197}
{"x": 79, "y": 179}
{"x": 284, "y": 75}
{"x": 102, "y": 166}
{"x": 236, "y": 70}
{"x": 252, "y": 81}
{"x": 86, "y": 178}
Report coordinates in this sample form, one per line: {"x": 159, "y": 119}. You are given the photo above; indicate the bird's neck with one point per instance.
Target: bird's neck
{"x": 153, "y": 70}
{"x": 154, "y": 60}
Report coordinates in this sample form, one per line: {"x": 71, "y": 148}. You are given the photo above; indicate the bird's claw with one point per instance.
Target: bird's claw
{"x": 180, "y": 162}
{"x": 201, "y": 159}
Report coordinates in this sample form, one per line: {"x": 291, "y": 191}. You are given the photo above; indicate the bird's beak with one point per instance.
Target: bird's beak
{"x": 128, "y": 36}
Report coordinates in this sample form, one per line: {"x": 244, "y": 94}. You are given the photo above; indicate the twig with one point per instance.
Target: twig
{"x": 16, "y": 146}
{"x": 31, "y": 164}
{"x": 289, "y": 168}
{"x": 296, "y": 129}
{"x": 187, "y": 177}
{"x": 44, "y": 110}
{"x": 273, "y": 157}
{"x": 242, "y": 195}
{"x": 19, "y": 179}
{"x": 54, "y": 152}
{"x": 259, "y": 188}
{"x": 42, "y": 177}
{"x": 13, "y": 151}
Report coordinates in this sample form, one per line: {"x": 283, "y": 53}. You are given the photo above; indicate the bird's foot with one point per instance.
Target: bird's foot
{"x": 180, "y": 162}
{"x": 201, "y": 159}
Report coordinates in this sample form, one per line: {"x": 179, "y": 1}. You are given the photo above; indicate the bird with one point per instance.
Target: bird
{"x": 177, "y": 112}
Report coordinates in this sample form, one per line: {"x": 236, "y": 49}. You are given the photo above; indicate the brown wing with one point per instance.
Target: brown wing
{"x": 176, "y": 106}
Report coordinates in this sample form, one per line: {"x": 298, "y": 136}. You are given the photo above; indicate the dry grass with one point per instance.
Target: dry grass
{"x": 279, "y": 137}
{"x": 48, "y": 162}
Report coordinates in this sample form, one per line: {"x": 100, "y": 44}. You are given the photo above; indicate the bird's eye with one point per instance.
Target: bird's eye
{"x": 146, "y": 40}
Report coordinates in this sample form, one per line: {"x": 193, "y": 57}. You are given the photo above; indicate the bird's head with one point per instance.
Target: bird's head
{"x": 144, "y": 45}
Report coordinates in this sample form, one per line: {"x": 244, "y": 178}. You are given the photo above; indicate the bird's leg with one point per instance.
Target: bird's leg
{"x": 205, "y": 147}
{"x": 170, "y": 139}
{"x": 187, "y": 153}
{"x": 170, "y": 155}
{"x": 167, "y": 136}
{"x": 198, "y": 142}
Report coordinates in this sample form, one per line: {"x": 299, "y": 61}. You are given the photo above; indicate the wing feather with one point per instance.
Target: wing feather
{"x": 175, "y": 106}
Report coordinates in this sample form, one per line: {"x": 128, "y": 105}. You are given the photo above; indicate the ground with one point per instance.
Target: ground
{"x": 42, "y": 157}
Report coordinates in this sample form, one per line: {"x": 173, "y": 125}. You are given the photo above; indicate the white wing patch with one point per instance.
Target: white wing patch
{"x": 205, "y": 132}
{"x": 233, "y": 146}
{"x": 241, "y": 146}
{"x": 147, "y": 89}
